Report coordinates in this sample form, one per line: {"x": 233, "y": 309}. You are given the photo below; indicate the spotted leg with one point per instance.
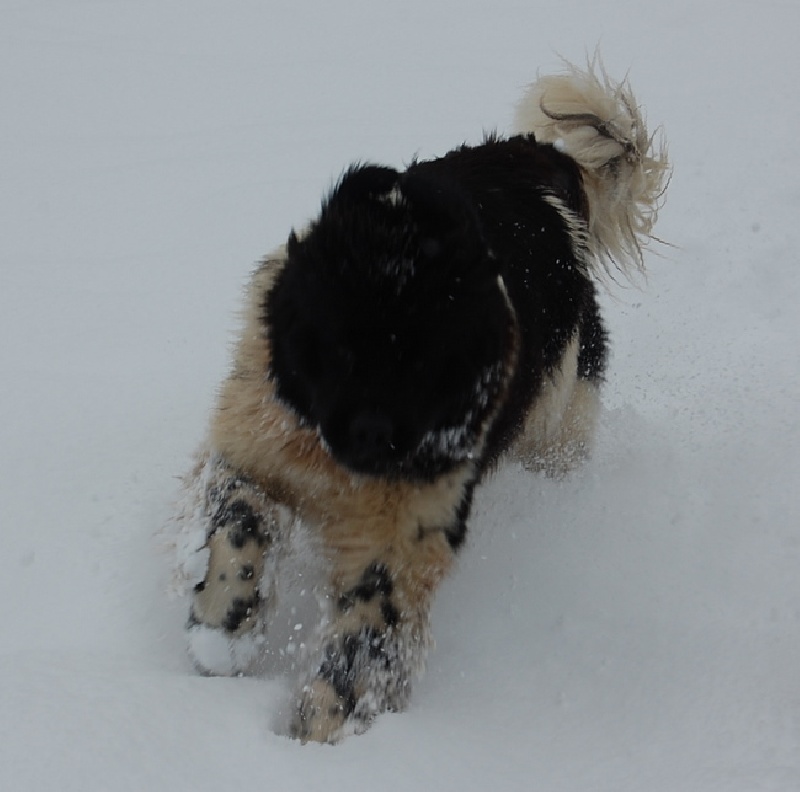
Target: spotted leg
{"x": 242, "y": 527}
{"x": 377, "y": 638}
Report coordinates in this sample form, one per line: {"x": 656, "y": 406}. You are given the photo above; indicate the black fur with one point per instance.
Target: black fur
{"x": 240, "y": 610}
{"x": 375, "y": 581}
{"x": 389, "y": 327}
{"x": 457, "y": 532}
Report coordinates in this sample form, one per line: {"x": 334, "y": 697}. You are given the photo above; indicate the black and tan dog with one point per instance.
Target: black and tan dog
{"x": 426, "y": 323}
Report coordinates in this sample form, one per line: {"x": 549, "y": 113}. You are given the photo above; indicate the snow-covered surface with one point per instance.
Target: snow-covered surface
{"x": 635, "y": 628}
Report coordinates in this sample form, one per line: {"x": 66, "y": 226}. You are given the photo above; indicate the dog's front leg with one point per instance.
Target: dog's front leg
{"x": 377, "y": 638}
{"x": 242, "y": 525}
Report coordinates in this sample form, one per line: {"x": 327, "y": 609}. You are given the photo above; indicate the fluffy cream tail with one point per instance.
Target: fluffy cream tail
{"x": 598, "y": 122}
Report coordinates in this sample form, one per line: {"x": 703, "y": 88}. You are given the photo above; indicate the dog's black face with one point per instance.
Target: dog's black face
{"x": 389, "y": 327}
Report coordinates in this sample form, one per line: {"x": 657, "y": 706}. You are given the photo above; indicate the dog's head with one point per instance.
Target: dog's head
{"x": 389, "y": 326}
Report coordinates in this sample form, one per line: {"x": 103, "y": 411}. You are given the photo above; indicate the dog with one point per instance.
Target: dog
{"x": 427, "y": 323}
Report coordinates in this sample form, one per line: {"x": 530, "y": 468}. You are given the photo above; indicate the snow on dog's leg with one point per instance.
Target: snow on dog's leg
{"x": 559, "y": 427}
{"x": 371, "y": 650}
{"x": 376, "y": 641}
{"x": 242, "y": 526}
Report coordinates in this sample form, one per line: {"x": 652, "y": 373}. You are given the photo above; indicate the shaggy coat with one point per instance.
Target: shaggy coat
{"x": 426, "y": 323}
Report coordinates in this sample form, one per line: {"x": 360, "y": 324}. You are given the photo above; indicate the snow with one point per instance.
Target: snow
{"x": 634, "y": 627}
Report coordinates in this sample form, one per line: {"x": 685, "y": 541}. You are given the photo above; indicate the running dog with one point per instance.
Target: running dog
{"x": 426, "y": 323}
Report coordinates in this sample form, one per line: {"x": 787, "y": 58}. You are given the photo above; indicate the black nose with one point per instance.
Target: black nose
{"x": 370, "y": 435}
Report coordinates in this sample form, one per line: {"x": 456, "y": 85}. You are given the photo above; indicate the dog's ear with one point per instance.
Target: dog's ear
{"x": 365, "y": 181}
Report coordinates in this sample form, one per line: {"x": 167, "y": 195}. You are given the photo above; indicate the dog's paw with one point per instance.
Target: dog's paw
{"x": 215, "y": 653}
{"x": 322, "y": 715}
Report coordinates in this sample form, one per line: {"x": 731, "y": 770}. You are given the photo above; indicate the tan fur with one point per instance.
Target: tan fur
{"x": 598, "y": 122}
{"x": 212, "y": 604}
{"x": 323, "y": 715}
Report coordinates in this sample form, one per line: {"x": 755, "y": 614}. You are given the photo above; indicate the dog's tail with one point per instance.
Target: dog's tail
{"x": 598, "y": 122}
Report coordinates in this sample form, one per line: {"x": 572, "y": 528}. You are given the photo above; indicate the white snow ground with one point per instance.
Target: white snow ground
{"x": 635, "y": 628}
